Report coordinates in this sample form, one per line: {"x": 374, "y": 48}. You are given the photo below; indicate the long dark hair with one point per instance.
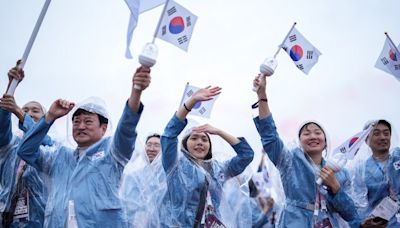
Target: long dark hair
{"x": 184, "y": 144}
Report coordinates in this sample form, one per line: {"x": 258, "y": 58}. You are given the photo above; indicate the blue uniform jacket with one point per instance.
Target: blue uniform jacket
{"x": 298, "y": 180}
{"x": 371, "y": 185}
{"x": 32, "y": 180}
{"x": 185, "y": 179}
{"x": 92, "y": 183}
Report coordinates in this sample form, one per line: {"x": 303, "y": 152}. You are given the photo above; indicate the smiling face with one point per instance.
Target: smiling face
{"x": 312, "y": 138}
{"x": 198, "y": 145}
{"x": 152, "y": 147}
{"x": 34, "y": 109}
{"x": 87, "y": 129}
{"x": 379, "y": 139}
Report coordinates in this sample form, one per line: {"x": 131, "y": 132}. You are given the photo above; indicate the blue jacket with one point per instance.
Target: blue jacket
{"x": 32, "y": 180}
{"x": 298, "y": 180}
{"x": 92, "y": 182}
{"x": 186, "y": 179}
{"x": 370, "y": 185}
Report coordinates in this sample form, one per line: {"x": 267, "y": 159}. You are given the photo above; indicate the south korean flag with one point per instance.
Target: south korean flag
{"x": 301, "y": 51}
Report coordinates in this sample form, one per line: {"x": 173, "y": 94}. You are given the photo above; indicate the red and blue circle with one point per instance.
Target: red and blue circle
{"x": 296, "y": 52}
{"x": 197, "y": 105}
{"x": 352, "y": 141}
{"x": 176, "y": 25}
{"x": 392, "y": 55}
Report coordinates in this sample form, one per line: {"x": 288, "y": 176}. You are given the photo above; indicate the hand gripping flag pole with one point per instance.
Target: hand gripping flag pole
{"x": 28, "y": 48}
{"x": 148, "y": 57}
{"x": 267, "y": 68}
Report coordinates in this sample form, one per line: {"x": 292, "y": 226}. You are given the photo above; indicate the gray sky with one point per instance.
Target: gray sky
{"x": 79, "y": 52}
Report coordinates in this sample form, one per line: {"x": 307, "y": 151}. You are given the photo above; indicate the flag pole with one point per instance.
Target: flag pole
{"x": 394, "y": 46}
{"x": 183, "y": 97}
{"x": 280, "y": 46}
{"x": 159, "y": 21}
{"x": 28, "y": 48}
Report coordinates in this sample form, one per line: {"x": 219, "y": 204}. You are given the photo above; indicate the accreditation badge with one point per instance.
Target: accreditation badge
{"x": 213, "y": 222}
{"x": 21, "y": 212}
{"x": 324, "y": 223}
{"x": 386, "y": 209}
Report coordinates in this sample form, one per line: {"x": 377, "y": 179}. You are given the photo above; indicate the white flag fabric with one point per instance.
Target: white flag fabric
{"x": 301, "y": 51}
{"x": 137, "y": 7}
{"x": 146, "y": 5}
{"x": 351, "y": 146}
{"x": 389, "y": 59}
{"x": 176, "y": 25}
{"x": 202, "y": 109}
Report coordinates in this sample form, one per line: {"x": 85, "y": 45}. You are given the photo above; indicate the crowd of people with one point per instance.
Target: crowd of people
{"x": 180, "y": 183}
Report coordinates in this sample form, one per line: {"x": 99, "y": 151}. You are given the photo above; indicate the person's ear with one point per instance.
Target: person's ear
{"x": 104, "y": 128}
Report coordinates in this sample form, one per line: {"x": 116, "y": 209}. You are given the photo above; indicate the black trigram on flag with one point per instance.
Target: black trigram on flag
{"x": 310, "y": 54}
{"x": 397, "y": 67}
{"x": 384, "y": 61}
{"x": 189, "y": 93}
{"x": 202, "y": 110}
{"x": 343, "y": 149}
{"x": 182, "y": 39}
{"x": 300, "y": 66}
{"x": 164, "y": 30}
{"x": 188, "y": 21}
{"x": 284, "y": 48}
{"x": 171, "y": 11}
{"x": 292, "y": 38}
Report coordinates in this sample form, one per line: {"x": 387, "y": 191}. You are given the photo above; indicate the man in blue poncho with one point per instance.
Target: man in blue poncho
{"x": 85, "y": 180}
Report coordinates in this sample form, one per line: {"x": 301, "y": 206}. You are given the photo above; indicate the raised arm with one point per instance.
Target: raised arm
{"x": 125, "y": 134}
{"x": 272, "y": 143}
{"x": 169, "y": 139}
{"x": 5, "y": 126}
{"x": 204, "y": 94}
{"x": 15, "y": 73}
{"x": 142, "y": 79}
{"x": 244, "y": 152}
{"x": 8, "y": 105}
{"x": 29, "y": 147}
{"x": 263, "y": 108}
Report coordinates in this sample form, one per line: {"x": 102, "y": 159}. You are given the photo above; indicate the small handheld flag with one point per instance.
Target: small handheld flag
{"x": 176, "y": 25}
{"x": 203, "y": 108}
{"x": 389, "y": 59}
{"x": 300, "y": 50}
{"x": 351, "y": 146}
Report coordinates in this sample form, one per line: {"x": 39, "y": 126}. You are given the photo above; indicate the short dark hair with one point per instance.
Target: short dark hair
{"x": 184, "y": 144}
{"x": 386, "y": 123}
{"x": 155, "y": 135}
{"x": 80, "y": 111}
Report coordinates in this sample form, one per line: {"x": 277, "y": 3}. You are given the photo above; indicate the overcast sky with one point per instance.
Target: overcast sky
{"x": 79, "y": 52}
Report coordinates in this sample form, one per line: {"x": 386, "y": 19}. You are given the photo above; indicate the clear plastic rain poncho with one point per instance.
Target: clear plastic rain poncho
{"x": 195, "y": 188}
{"x": 267, "y": 196}
{"x": 83, "y": 189}
{"x": 143, "y": 188}
{"x": 374, "y": 181}
{"x": 307, "y": 204}
{"x": 23, "y": 192}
